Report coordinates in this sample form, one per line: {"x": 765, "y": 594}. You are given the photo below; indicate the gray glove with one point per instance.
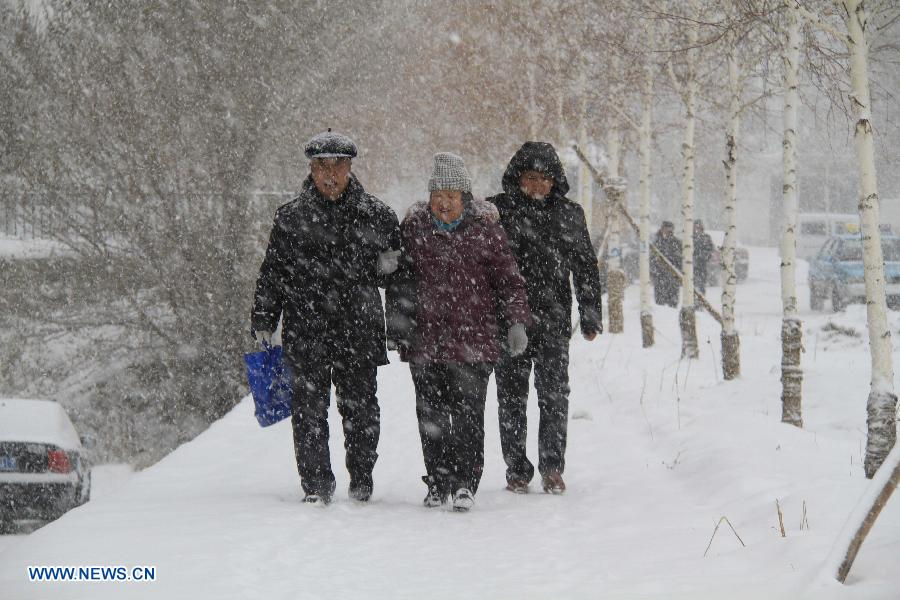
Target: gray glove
{"x": 388, "y": 261}
{"x": 263, "y": 338}
{"x": 517, "y": 339}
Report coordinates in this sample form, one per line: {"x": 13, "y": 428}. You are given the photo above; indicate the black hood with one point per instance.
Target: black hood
{"x": 535, "y": 156}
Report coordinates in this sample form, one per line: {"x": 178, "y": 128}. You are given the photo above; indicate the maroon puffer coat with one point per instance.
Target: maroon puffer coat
{"x": 463, "y": 280}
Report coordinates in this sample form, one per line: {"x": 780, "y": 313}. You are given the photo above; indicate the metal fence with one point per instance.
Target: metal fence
{"x": 21, "y": 217}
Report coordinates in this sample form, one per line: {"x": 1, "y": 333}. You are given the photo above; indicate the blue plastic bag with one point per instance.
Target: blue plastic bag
{"x": 269, "y": 377}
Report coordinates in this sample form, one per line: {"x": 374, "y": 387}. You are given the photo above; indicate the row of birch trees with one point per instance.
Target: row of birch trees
{"x": 715, "y": 53}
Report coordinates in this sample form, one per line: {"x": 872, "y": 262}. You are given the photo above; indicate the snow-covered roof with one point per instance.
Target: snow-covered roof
{"x": 42, "y": 421}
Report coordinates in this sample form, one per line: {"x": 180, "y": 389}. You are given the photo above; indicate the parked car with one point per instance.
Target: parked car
{"x": 815, "y": 228}
{"x": 43, "y": 469}
{"x": 837, "y": 272}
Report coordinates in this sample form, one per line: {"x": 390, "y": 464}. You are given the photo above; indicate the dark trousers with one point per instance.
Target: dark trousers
{"x": 700, "y": 278}
{"x": 551, "y": 380}
{"x": 355, "y": 392}
{"x": 450, "y": 400}
{"x": 665, "y": 290}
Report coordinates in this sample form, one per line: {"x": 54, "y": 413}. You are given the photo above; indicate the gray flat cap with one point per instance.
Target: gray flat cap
{"x": 330, "y": 144}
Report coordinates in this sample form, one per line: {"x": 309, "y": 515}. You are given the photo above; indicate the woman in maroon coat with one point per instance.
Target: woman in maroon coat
{"x": 456, "y": 276}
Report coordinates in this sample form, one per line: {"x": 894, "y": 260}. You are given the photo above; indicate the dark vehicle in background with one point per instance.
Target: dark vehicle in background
{"x": 836, "y": 272}
{"x": 43, "y": 470}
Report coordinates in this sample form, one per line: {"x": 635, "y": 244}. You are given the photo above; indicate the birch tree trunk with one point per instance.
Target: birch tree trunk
{"x": 791, "y": 327}
{"x": 560, "y": 98}
{"x": 731, "y": 343}
{"x": 615, "y": 194}
{"x": 584, "y": 177}
{"x": 647, "y": 338}
{"x": 882, "y": 403}
{"x": 584, "y": 174}
{"x": 687, "y": 316}
{"x": 598, "y": 219}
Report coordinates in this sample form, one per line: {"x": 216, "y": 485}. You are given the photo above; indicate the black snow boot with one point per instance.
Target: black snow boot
{"x": 436, "y": 495}
{"x": 360, "y": 489}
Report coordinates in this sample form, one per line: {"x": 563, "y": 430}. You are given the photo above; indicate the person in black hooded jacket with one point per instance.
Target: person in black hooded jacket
{"x": 549, "y": 237}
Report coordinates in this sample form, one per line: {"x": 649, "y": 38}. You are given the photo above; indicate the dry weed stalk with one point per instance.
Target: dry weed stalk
{"x": 717, "y": 529}
{"x": 780, "y": 517}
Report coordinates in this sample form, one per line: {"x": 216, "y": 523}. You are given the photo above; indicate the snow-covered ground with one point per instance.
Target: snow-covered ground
{"x": 12, "y": 247}
{"x": 659, "y": 451}
{"x": 105, "y": 480}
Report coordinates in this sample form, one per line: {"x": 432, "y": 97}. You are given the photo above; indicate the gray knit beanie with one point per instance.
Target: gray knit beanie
{"x": 449, "y": 173}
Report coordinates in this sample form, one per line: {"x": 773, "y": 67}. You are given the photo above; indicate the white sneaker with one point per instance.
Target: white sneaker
{"x": 463, "y": 500}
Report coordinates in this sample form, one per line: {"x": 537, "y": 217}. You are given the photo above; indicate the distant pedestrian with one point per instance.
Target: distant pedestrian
{"x": 665, "y": 283}
{"x": 549, "y": 237}
{"x": 703, "y": 251}
{"x": 456, "y": 274}
{"x": 329, "y": 251}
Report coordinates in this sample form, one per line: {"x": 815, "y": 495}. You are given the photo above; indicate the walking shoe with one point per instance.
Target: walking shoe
{"x": 436, "y": 496}
{"x": 463, "y": 500}
{"x": 553, "y": 483}
{"x": 317, "y": 500}
{"x": 517, "y": 486}
{"x": 360, "y": 490}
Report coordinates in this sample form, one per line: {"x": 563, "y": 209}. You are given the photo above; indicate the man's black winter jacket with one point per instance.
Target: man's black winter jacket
{"x": 321, "y": 272}
{"x": 550, "y": 241}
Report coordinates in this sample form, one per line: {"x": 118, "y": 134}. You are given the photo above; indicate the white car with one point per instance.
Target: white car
{"x": 43, "y": 471}
{"x": 815, "y": 228}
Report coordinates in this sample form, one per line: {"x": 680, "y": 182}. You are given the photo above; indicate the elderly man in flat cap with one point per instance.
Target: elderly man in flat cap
{"x": 330, "y": 250}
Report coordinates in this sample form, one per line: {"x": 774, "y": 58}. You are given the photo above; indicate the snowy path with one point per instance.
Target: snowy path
{"x": 658, "y": 452}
